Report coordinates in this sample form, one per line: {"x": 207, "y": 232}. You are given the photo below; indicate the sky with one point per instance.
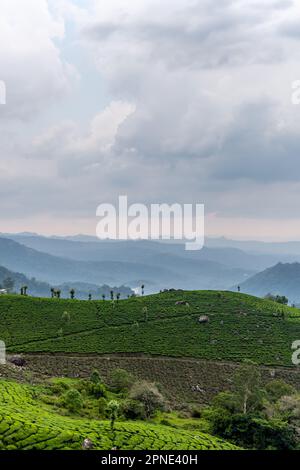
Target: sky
{"x": 180, "y": 101}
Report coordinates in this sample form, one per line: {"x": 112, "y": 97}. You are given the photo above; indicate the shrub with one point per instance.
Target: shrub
{"x": 102, "y": 406}
{"x": 95, "y": 386}
{"x": 72, "y": 400}
{"x": 289, "y": 407}
{"x": 252, "y": 432}
{"x": 59, "y": 387}
{"x": 95, "y": 377}
{"x": 121, "y": 380}
{"x": 278, "y": 389}
{"x": 149, "y": 395}
{"x": 97, "y": 390}
{"x": 195, "y": 412}
{"x": 227, "y": 401}
{"x": 280, "y": 299}
{"x": 132, "y": 409}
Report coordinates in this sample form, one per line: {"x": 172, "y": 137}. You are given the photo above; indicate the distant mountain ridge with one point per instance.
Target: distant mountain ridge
{"x": 85, "y": 259}
{"x": 55, "y": 270}
{"x": 88, "y": 248}
{"x": 43, "y": 289}
{"x": 282, "y": 279}
{"x": 35, "y": 287}
{"x": 118, "y": 263}
{"x": 287, "y": 250}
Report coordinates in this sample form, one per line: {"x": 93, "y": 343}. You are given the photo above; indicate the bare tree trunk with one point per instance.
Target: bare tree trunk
{"x": 246, "y": 396}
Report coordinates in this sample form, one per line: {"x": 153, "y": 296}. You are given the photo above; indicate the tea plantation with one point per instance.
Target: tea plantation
{"x": 235, "y": 326}
{"x": 27, "y": 424}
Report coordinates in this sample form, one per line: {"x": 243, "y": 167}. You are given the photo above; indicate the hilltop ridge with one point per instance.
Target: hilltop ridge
{"x": 207, "y": 325}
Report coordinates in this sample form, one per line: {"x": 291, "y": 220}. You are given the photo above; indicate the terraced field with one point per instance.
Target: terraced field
{"x": 26, "y": 424}
{"x": 239, "y": 327}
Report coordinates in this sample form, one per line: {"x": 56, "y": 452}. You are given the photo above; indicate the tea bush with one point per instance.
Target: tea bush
{"x": 26, "y": 424}
{"x": 239, "y": 327}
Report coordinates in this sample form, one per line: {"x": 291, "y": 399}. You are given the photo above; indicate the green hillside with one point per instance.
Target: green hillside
{"x": 282, "y": 279}
{"x": 240, "y": 326}
{"x": 27, "y": 424}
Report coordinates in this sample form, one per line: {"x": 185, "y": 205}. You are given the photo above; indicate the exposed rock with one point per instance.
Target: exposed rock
{"x": 197, "y": 388}
{"x": 182, "y": 302}
{"x": 18, "y": 361}
{"x": 87, "y": 444}
{"x": 204, "y": 319}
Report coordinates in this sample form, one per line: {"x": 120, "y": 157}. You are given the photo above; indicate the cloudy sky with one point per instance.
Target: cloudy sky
{"x": 175, "y": 101}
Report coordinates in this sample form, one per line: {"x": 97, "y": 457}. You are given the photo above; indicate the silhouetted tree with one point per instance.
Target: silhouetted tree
{"x": 112, "y": 295}
{"x": 103, "y": 297}
{"x": 239, "y": 289}
{"x": 72, "y": 294}
{"x": 24, "y": 290}
{"x": 52, "y": 293}
{"x": 143, "y": 289}
{"x": 90, "y": 296}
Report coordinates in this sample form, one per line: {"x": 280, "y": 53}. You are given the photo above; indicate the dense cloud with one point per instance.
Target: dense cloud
{"x": 198, "y": 106}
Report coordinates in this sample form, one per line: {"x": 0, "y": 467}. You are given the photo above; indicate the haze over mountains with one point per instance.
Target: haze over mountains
{"x": 37, "y": 288}
{"x": 281, "y": 279}
{"x": 86, "y": 260}
{"x": 83, "y": 248}
{"x": 115, "y": 263}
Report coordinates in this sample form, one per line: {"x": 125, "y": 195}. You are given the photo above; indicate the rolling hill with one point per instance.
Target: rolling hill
{"x": 185, "y": 336}
{"x": 282, "y": 279}
{"x": 35, "y": 287}
{"x": 232, "y": 326}
{"x": 27, "y": 424}
{"x": 157, "y": 270}
{"x": 43, "y": 289}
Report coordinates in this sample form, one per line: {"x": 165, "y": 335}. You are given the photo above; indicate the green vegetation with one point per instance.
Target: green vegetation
{"x": 33, "y": 418}
{"x": 149, "y": 396}
{"x": 68, "y": 414}
{"x": 236, "y": 326}
{"x": 280, "y": 299}
{"x": 254, "y": 416}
